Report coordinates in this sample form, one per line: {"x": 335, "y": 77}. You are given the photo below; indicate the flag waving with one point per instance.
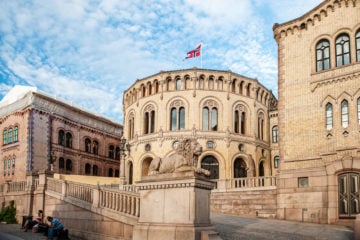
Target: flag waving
{"x": 194, "y": 53}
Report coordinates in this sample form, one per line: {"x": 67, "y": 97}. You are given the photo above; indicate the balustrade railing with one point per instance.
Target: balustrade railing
{"x": 80, "y": 191}
{"x": 252, "y": 182}
{"x": 54, "y": 185}
{"x": 120, "y": 201}
{"x": 16, "y": 186}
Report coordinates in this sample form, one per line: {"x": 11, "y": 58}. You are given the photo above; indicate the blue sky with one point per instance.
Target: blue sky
{"x": 89, "y": 52}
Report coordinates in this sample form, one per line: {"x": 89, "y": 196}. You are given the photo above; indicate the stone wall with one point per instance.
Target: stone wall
{"x": 259, "y": 202}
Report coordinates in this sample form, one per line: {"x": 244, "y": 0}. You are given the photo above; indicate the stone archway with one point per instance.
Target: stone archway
{"x": 145, "y": 166}
{"x": 240, "y": 168}
{"x": 211, "y": 164}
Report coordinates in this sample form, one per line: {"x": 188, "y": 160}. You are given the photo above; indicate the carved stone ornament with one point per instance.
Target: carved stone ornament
{"x": 184, "y": 159}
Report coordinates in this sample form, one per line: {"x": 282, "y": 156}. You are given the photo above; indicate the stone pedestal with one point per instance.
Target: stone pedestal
{"x": 173, "y": 207}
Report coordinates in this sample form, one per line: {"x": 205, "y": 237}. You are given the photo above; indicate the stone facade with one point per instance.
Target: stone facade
{"x": 319, "y": 114}
{"x": 40, "y": 132}
{"x": 227, "y": 113}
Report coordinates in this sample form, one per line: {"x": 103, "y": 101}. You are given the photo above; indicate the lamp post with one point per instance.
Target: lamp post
{"x": 122, "y": 161}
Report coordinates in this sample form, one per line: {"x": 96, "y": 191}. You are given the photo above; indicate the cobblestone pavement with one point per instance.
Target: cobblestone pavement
{"x": 234, "y": 228}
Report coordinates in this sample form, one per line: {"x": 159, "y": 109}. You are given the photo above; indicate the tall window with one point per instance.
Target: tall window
{"x": 178, "y": 84}
{"x": 358, "y": 109}
{"x": 276, "y": 161}
{"x": 177, "y": 116}
{"x": 5, "y": 137}
{"x": 210, "y": 116}
{"x": 110, "y": 172}
{"x": 95, "y": 170}
{"x": 117, "y": 153}
{"x": 322, "y": 55}
{"x": 68, "y": 165}
{"x": 149, "y": 119}
{"x": 68, "y": 140}
{"x": 358, "y": 45}
{"x": 16, "y": 133}
{"x": 88, "y": 145}
{"x": 261, "y": 126}
{"x": 10, "y": 135}
{"x": 111, "y": 151}
{"x": 61, "y": 163}
{"x": 342, "y": 50}
{"x": 275, "y": 133}
{"x": 61, "y": 138}
{"x": 95, "y": 147}
{"x": 240, "y": 119}
{"x": 329, "y": 116}
{"x": 344, "y": 114}
{"x": 131, "y": 126}
{"x": 87, "y": 169}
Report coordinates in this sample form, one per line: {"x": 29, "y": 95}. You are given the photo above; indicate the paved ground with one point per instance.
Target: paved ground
{"x": 232, "y": 228}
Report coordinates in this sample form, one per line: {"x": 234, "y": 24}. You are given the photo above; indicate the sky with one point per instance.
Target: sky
{"x": 89, "y": 52}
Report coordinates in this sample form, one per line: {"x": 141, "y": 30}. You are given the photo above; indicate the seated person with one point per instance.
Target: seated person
{"x": 55, "y": 227}
{"x": 29, "y": 224}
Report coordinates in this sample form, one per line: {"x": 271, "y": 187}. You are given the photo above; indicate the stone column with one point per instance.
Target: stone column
{"x": 122, "y": 169}
{"x": 174, "y": 206}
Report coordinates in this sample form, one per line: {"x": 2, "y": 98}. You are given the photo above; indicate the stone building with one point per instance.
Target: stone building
{"x": 227, "y": 113}
{"x": 40, "y": 132}
{"x": 319, "y": 114}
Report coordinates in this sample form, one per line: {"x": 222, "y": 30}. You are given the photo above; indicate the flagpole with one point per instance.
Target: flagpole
{"x": 201, "y": 55}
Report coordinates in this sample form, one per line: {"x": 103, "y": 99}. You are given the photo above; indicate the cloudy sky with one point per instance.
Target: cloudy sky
{"x": 89, "y": 52}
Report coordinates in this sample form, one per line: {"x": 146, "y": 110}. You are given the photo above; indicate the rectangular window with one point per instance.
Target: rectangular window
{"x": 303, "y": 182}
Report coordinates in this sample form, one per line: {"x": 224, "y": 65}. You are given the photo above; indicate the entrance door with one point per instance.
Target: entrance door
{"x": 349, "y": 196}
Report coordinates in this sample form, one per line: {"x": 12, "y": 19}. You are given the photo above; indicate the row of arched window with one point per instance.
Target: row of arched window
{"x": 94, "y": 170}
{"x": 344, "y": 113}
{"x": 65, "y": 165}
{"x": 203, "y": 82}
{"x": 9, "y": 166}
{"x": 210, "y": 117}
{"x": 10, "y": 135}
{"x": 342, "y": 51}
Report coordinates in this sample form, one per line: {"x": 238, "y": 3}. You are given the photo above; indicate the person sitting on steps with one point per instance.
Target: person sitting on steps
{"x": 55, "y": 227}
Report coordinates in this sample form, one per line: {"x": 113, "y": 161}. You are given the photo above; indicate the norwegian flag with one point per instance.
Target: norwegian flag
{"x": 194, "y": 53}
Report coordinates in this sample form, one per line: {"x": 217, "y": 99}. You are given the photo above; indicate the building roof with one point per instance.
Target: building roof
{"x": 16, "y": 93}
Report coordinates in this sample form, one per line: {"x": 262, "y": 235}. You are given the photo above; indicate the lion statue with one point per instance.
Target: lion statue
{"x": 184, "y": 159}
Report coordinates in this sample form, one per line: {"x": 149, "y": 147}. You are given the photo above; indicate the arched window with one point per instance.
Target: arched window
{"x": 16, "y": 133}
{"x": 358, "y": 109}
{"x": 95, "y": 170}
{"x": 205, "y": 118}
{"x": 275, "y": 132}
{"x": 220, "y": 84}
{"x": 61, "y": 138}
{"x": 68, "y": 140}
{"x": 178, "y": 84}
{"x": 261, "y": 126}
{"x": 61, "y": 163}
{"x": 130, "y": 173}
{"x": 177, "y": 116}
{"x": 111, "y": 151}
{"x": 357, "y": 39}
{"x": 240, "y": 119}
{"x": 329, "y": 116}
{"x": 342, "y": 50}
{"x": 131, "y": 126}
{"x": 149, "y": 119}
{"x": 149, "y": 86}
{"x": 276, "y": 161}
{"x": 210, "y": 116}
{"x": 110, "y": 172}
{"x": 116, "y": 173}
{"x": 157, "y": 87}
{"x": 10, "y": 139}
{"x": 68, "y": 165}
{"x": 240, "y": 168}
{"x": 143, "y": 90}
{"x": 322, "y": 55}
{"x": 87, "y": 145}
{"x": 211, "y": 164}
{"x": 261, "y": 169}
{"x": 87, "y": 169}
{"x": 4, "y": 137}
{"x": 248, "y": 87}
{"x": 344, "y": 114}
{"x": 95, "y": 147}
{"x": 117, "y": 153}
{"x": 233, "y": 85}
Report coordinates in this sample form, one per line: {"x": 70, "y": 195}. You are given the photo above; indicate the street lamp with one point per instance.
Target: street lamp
{"x": 123, "y": 148}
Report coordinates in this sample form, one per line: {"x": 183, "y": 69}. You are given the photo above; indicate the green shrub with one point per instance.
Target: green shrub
{"x": 8, "y": 213}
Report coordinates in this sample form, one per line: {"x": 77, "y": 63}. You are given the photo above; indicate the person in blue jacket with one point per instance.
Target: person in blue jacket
{"x": 55, "y": 227}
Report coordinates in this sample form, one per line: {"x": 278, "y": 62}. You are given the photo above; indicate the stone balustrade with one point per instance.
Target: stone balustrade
{"x": 16, "y": 186}
{"x": 80, "y": 191}
{"x": 252, "y": 182}
{"x": 55, "y": 185}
